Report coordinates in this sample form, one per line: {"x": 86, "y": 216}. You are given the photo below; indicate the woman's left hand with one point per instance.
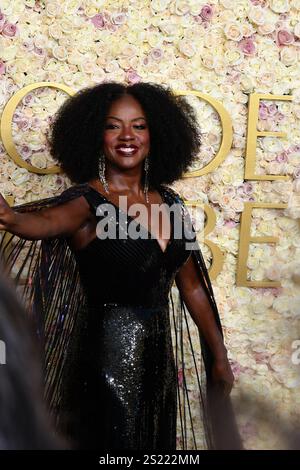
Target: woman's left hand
{"x": 222, "y": 375}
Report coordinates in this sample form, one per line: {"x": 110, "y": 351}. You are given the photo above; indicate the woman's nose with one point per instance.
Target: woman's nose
{"x": 126, "y": 133}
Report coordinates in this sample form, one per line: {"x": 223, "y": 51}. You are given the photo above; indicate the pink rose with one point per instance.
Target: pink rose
{"x": 2, "y": 21}
{"x": 247, "y": 46}
{"x": 281, "y": 157}
{"x": 9, "y": 30}
{"x": 284, "y": 37}
{"x": 23, "y": 124}
{"x": 98, "y": 21}
{"x": 38, "y": 51}
{"x": 273, "y": 108}
{"x": 2, "y": 68}
{"x": 263, "y": 111}
{"x": 206, "y": 12}
{"x": 132, "y": 77}
{"x": 156, "y": 53}
{"x": 25, "y": 151}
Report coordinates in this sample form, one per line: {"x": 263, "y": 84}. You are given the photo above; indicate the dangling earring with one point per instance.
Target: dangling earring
{"x": 101, "y": 167}
{"x": 146, "y": 178}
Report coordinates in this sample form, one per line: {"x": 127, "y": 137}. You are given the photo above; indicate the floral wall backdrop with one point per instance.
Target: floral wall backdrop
{"x": 226, "y": 49}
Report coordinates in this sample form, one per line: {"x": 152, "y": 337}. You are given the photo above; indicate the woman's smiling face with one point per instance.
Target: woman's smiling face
{"x": 126, "y": 139}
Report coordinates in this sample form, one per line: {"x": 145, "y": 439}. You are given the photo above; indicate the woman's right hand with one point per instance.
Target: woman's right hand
{"x": 7, "y": 215}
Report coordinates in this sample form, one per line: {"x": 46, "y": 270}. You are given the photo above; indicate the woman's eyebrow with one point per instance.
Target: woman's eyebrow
{"x": 118, "y": 119}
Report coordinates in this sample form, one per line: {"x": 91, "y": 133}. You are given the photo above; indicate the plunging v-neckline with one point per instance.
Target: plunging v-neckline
{"x": 133, "y": 218}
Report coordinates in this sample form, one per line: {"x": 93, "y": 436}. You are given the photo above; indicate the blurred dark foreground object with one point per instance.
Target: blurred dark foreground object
{"x": 24, "y": 423}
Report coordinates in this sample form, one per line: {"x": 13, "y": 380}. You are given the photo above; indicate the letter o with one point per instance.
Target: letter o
{"x": 227, "y": 133}
{"x": 6, "y": 125}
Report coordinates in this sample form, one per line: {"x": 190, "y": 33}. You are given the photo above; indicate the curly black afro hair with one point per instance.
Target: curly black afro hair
{"x": 76, "y": 137}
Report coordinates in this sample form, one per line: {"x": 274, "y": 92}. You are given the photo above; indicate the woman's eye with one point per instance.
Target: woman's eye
{"x": 140, "y": 126}
{"x": 111, "y": 126}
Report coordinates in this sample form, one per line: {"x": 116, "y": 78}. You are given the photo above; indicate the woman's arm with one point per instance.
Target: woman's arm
{"x": 62, "y": 220}
{"x": 196, "y": 300}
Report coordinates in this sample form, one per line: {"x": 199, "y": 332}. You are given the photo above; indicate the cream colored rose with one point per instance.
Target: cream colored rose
{"x": 293, "y": 209}
{"x": 180, "y": 7}
{"x": 20, "y": 176}
{"x": 233, "y": 31}
{"x": 247, "y": 30}
{"x": 39, "y": 160}
{"x": 55, "y": 31}
{"x": 226, "y": 4}
{"x": 53, "y": 9}
{"x": 170, "y": 30}
{"x": 289, "y": 55}
{"x": 297, "y": 30}
{"x": 41, "y": 41}
{"x": 271, "y": 144}
{"x": 187, "y": 48}
{"x": 280, "y": 6}
{"x": 90, "y": 11}
{"x": 7, "y": 7}
{"x": 257, "y": 15}
{"x": 8, "y": 52}
{"x": 266, "y": 28}
{"x": 247, "y": 83}
{"x": 233, "y": 57}
{"x": 71, "y": 6}
{"x": 157, "y": 6}
{"x": 88, "y": 66}
{"x": 60, "y": 53}
{"x": 66, "y": 25}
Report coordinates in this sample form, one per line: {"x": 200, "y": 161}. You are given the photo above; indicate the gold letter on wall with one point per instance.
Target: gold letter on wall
{"x": 217, "y": 254}
{"x": 227, "y": 133}
{"x": 6, "y": 124}
{"x": 246, "y": 239}
{"x": 253, "y": 133}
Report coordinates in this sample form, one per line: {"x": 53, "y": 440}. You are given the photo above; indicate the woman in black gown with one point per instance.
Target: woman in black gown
{"x": 110, "y": 365}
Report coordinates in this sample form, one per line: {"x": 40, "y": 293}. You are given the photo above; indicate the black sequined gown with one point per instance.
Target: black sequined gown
{"x": 127, "y": 384}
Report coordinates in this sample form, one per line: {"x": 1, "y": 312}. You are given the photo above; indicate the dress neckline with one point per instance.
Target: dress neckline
{"x": 133, "y": 218}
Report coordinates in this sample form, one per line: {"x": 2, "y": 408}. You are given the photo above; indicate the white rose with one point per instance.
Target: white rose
{"x": 71, "y": 6}
{"x": 180, "y": 7}
{"x": 247, "y": 83}
{"x": 282, "y": 304}
{"x": 266, "y": 28}
{"x": 293, "y": 209}
{"x": 271, "y": 144}
{"x": 90, "y": 11}
{"x": 158, "y": 6}
{"x": 55, "y": 31}
{"x": 233, "y": 31}
{"x": 247, "y": 30}
{"x": 273, "y": 272}
{"x": 9, "y": 53}
{"x": 20, "y": 176}
{"x": 66, "y": 25}
{"x": 297, "y": 30}
{"x": 233, "y": 57}
{"x": 52, "y": 9}
{"x": 288, "y": 55}
{"x": 257, "y": 15}
{"x": 296, "y": 4}
{"x": 208, "y": 61}
{"x": 39, "y": 160}
{"x": 60, "y": 53}
{"x": 7, "y": 7}
{"x": 226, "y": 4}
{"x": 41, "y": 41}
{"x": 187, "y": 48}
{"x": 280, "y": 6}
